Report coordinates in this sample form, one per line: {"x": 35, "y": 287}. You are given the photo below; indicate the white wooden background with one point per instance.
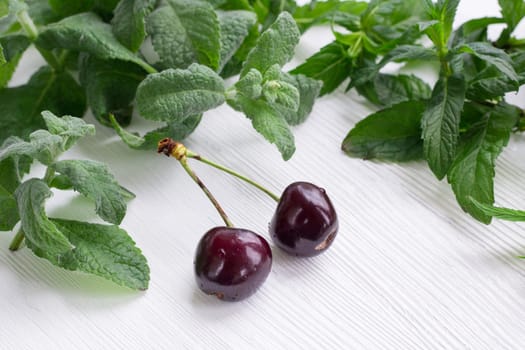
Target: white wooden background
{"x": 408, "y": 269}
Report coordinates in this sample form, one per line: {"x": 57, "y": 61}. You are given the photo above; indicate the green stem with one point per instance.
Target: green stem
{"x": 148, "y": 68}
{"x": 16, "y": 243}
{"x": 193, "y": 175}
{"x": 195, "y": 156}
{"x": 32, "y": 32}
{"x": 50, "y": 174}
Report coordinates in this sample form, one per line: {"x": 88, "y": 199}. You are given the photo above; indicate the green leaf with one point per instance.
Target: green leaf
{"x": 13, "y": 168}
{"x": 280, "y": 94}
{"x": 488, "y": 84}
{"x": 234, "y": 28}
{"x": 129, "y": 22}
{"x": 317, "y": 12}
{"x": 41, "y": 235}
{"x": 42, "y": 145}
{"x": 250, "y": 85}
{"x": 331, "y": 65}
{"x": 2, "y": 57}
{"x": 390, "y": 134}
{"x": 234, "y": 65}
{"x": 67, "y": 7}
{"x": 512, "y": 11}
{"x": 8, "y": 210}
{"x": 99, "y": 79}
{"x": 497, "y": 212}
{"x": 387, "y": 90}
{"x": 69, "y": 128}
{"x": 93, "y": 180}
{"x": 175, "y": 131}
{"x": 440, "y": 124}
{"x": 474, "y": 30}
{"x": 106, "y": 251}
{"x": 444, "y": 12}
{"x": 472, "y": 173}
{"x": 20, "y": 107}
{"x": 492, "y": 55}
{"x": 86, "y": 32}
{"x": 275, "y": 46}
{"x": 308, "y": 89}
{"x": 269, "y": 123}
{"x": 12, "y": 47}
{"x": 4, "y": 8}
{"x": 175, "y": 94}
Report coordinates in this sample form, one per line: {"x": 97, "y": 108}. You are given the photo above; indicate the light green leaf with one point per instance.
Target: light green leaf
{"x": 390, "y": 134}
{"x": 275, "y": 46}
{"x": 234, "y": 28}
{"x": 20, "y": 107}
{"x": 2, "y": 57}
{"x": 41, "y": 235}
{"x": 440, "y": 123}
{"x": 106, "y": 251}
{"x": 129, "y": 22}
{"x": 93, "y": 180}
{"x": 498, "y": 212}
{"x": 331, "y": 65}
{"x": 250, "y": 85}
{"x": 4, "y": 8}
{"x": 443, "y": 12}
{"x": 308, "y": 89}
{"x": 492, "y": 55}
{"x": 69, "y": 128}
{"x": 472, "y": 173}
{"x": 513, "y": 11}
{"x": 280, "y": 94}
{"x": 269, "y": 123}
{"x": 110, "y": 87}
{"x": 86, "y": 32}
{"x": 175, "y": 94}
{"x": 42, "y": 145}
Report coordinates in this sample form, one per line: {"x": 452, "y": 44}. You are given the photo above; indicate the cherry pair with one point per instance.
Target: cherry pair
{"x": 232, "y": 263}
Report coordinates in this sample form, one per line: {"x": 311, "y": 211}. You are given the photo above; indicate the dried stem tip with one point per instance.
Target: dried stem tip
{"x": 169, "y": 147}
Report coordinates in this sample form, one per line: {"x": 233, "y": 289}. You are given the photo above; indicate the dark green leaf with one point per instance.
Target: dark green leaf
{"x": 87, "y": 32}
{"x": 492, "y": 55}
{"x": 513, "y": 11}
{"x": 308, "y": 91}
{"x": 443, "y": 12}
{"x": 473, "y": 30}
{"x": 234, "y": 65}
{"x": 67, "y": 7}
{"x": 387, "y": 90}
{"x": 472, "y": 173}
{"x": 129, "y": 22}
{"x": 499, "y": 213}
{"x": 106, "y": 251}
{"x": 175, "y": 94}
{"x": 440, "y": 123}
{"x": 8, "y": 210}
{"x": 93, "y": 180}
{"x": 20, "y": 107}
{"x": 317, "y": 12}
{"x": 110, "y": 87}
{"x": 41, "y": 235}
{"x": 390, "y": 134}
{"x": 13, "y": 47}
{"x": 331, "y": 65}
{"x": 275, "y": 46}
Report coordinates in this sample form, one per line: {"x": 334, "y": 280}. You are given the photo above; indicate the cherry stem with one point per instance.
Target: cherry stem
{"x": 178, "y": 151}
{"x": 198, "y": 157}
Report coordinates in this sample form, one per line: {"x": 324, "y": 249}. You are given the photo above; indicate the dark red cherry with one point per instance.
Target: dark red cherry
{"x": 305, "y": 222}
{"x": 232, "y": 263}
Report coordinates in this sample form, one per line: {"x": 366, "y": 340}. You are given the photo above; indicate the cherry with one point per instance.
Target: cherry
{"x": 305, "y": 222}
{"x": 232, "y": 263}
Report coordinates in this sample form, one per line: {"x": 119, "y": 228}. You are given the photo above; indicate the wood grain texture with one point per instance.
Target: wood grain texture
{"x": 408, "y": 269}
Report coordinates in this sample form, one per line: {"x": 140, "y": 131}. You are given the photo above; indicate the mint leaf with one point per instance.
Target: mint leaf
{"x": 280, "y": 94}
{"x": 67, "y": 7}
{"x": 331, "y": 65}
{"x": 472, "y": 173}
{"x": 42, "y": 145}
{"x": 250, "y": 85}
{"x": 492, "y": 55}
{"x": 275, "y": 46}
{"x": 41, "y": 235}
{"x": 317, "y": 12}
{"x": 175, "y": 94}
{"x": 269, "y": 123}
{"x": 308, "y": 89}
{"x": 69, "y": 128}
{"x": 93, "y": 180}
{"x": 387, "y": 90}
{"x": 499, "y": 213}
{"x": 4, "y": 8}
{"x": 106, "y": 251}
{"x": 440, "y": 123}
{"x": 99, "y": 79}
{"x": 234, "y": 28}
{"x": 20, "y": 107}
{"x": 129, "y": 22}
{"x": 512, "y": 11}
{"x": 13, "y": 168}
{"x": 2, "y": 56}
{"x": 13, "y": 46}
{"x": 8, "y": 210}
{"x": 87, "y": 32}
{"x": 234, "y": 65}
{"x": 390, "y": 134}
{"x": 443, "y": 12}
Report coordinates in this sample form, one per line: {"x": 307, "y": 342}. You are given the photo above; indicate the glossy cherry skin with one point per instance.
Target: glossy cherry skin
{"x": 305, "y": 222}
{"x": 232, "y": 263}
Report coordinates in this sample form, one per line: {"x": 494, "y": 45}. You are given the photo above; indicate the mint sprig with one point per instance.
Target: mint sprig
{"x": 103, "y": 250}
